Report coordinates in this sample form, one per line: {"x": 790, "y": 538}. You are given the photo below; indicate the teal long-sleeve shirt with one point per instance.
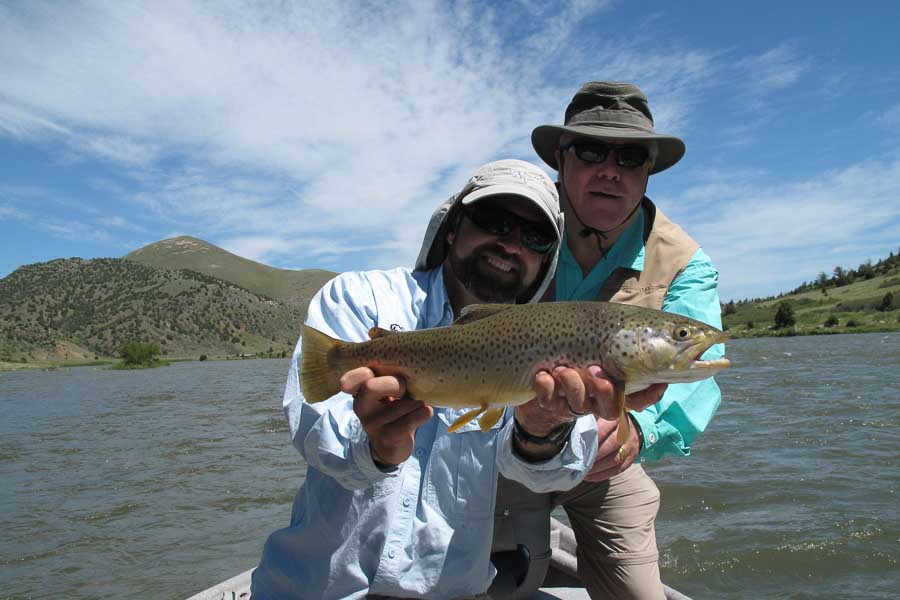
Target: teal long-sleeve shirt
{"x": 669, "y": 426}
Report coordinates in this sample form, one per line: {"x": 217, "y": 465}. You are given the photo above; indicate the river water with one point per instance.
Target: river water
{"x": 162, "y": 482}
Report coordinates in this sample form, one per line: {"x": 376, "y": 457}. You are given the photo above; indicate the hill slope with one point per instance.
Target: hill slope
{"x": 80, "y": 308}
{"x": 857, "y": 307}
{"x": 295, "y": 287}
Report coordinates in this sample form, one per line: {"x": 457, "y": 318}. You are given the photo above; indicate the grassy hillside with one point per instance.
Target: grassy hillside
{"x": 78, "y": 309}
{"x": 295, "y": 287}
{"x": 855, "y": 307}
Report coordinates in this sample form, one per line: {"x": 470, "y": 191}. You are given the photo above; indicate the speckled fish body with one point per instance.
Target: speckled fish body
{"x": 487, "y": 359}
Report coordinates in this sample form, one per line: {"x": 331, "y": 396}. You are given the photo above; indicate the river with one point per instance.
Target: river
{"x": 159, "y": 483}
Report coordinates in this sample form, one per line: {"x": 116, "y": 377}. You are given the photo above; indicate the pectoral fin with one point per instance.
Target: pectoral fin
{"x": 490, "y": 418}
{"x": 466, "y": 418}
{"x": 624, "y": 429}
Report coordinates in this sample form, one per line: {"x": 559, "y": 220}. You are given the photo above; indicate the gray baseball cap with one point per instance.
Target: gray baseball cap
{"x": 508, "y": 177}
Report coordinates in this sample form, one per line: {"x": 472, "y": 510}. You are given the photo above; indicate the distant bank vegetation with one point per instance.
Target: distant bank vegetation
{"x": 864, "y": 299}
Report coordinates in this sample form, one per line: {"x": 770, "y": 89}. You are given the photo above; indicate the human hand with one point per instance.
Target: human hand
{"x": 613, "y": 458}
{"x": 389, "y": 418}
{"x": 646, "y": 397}
{"x": 560, "y": 396}
{"x": 567, "y": 393}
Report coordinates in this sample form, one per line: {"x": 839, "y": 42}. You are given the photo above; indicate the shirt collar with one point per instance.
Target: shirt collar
{"x": 436, "y": 308}
{"x": 627, "y": 252}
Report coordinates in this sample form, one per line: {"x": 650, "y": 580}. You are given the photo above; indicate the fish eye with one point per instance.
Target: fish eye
{"x": 682, "y": 333}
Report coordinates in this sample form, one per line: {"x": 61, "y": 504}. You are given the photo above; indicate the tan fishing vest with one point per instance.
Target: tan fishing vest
{"x": 667, "y": 251}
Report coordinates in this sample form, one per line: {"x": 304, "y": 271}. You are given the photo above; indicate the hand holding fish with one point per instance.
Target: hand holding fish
{"x": 388, "y": 416}
{"x": 613, "y": 457}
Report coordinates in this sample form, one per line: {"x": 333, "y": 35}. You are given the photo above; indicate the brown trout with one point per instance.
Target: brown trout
{"x": 488, "y": 357}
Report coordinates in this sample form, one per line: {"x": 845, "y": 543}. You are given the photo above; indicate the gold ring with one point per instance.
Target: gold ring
{"x": 622, "y": 454}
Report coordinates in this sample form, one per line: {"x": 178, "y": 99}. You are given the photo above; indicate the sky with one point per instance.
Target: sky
{"x": 323, "y": 134}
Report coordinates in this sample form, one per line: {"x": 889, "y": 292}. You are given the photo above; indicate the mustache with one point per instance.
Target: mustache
{"x": 498, "y": 251}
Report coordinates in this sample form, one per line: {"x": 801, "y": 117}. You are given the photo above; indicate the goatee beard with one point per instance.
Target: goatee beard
{"x": 487, "y": 287}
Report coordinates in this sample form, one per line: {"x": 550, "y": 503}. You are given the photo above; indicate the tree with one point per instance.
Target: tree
{"x": 139, "y": 353}
{"x": 729, "y": 308}
{"x": 840, "y": 277}
{"x": 886, "y": 302}
{"x": 784, "y": 316}
{"x": 831, "y": 321}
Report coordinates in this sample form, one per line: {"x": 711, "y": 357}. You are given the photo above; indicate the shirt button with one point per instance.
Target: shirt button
{"x": 420, "y": 452}
{"x": 392, "y": 554}
{"x": 406, "y": 502}
{"x": 652, "y": 438}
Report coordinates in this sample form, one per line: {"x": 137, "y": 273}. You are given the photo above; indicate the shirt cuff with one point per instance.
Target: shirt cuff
{"x": 362, "y": 456}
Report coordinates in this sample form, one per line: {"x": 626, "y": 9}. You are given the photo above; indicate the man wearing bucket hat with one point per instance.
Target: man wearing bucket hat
{"x": 618, "y": 246}
{"x": 393, "y": 504}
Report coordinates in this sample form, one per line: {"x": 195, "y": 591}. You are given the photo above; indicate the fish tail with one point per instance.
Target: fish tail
{"x": 319, "y": 379}
{"x": 624, "y": 429}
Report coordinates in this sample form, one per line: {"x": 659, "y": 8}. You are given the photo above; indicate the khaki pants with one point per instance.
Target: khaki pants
{"x": 614, "y": 526}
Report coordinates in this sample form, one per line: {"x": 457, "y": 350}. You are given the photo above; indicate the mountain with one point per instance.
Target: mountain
{"x": 185, "y": 252}
{"x": 184, "y": 294}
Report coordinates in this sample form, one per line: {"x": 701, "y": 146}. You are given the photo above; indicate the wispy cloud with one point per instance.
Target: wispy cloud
{"x": 774, "y": 69}
{"x": 348, "y": 122}
{"x": 891, "y": 118}
{"x": 784, "y": 233}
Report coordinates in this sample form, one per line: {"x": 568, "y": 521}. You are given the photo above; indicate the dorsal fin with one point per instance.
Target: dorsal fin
{"x": 377, "y": 332}
{"x": 474, "y": 312}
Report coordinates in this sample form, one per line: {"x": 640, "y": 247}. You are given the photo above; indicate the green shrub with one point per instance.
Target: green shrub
{"x": 202, "y": 357}
{"x": 139, "y": 353}
{"x": 831, "y": 321}
{"x": 784, "y": 316}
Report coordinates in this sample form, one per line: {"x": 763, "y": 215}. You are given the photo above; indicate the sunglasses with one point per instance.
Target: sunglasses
{"x": 536, "y": 237}
{"x": 628, "y": 156}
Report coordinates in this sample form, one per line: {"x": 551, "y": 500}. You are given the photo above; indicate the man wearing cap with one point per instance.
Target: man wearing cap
{"x": 618, "y": 246}
{"x": 393, "y": 505}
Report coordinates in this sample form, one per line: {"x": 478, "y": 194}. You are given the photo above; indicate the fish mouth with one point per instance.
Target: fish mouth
{"x": 689, "y": 357}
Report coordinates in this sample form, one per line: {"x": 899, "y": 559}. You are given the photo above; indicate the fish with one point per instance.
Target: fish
{"x": 488, "y": 357}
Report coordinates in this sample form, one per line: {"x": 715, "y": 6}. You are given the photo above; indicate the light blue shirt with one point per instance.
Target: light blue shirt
{"x": 670, "y": 425}
{"x": 423, "y": 529}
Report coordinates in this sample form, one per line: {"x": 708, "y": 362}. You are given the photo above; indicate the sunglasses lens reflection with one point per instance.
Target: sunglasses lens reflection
{"x": 501, "y": 223}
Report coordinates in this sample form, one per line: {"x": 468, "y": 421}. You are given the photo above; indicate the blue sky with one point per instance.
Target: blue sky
{"x": 313, "y": 134}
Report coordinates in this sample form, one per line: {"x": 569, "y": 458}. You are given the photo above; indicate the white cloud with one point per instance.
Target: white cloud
{"x": 19, "y": 123}
{"x": 768, "y": 238}
{"x": 350, "y": 122}
{"x": 775, "y": 69}
{"x": 300, "y": 136}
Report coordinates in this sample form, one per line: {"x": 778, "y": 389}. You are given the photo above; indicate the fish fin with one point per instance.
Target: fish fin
{"x": 377, "y": 332}
{"x": 465, "y": 418}
{"x": 490, "y": 418}
{"x": 475, "y": 312}
{"x": 318, "y": 380}
{"x": 624, "y": 429}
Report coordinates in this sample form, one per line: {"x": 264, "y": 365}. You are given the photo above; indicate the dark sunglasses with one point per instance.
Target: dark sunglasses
{"x": 536, "y": 237}
{"x": 628, "y": 156}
